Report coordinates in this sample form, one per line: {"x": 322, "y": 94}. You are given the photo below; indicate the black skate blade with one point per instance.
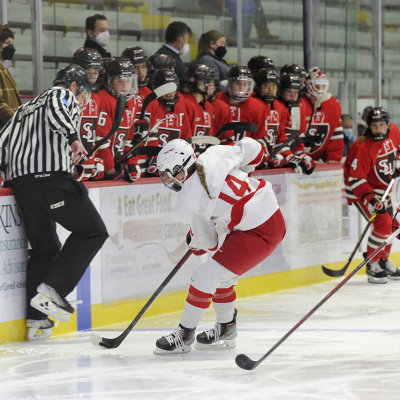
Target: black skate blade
{"x": 245, "y": 362}
{"x": 101, "y": 343}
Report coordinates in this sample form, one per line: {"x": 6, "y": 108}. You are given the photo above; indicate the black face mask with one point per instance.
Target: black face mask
{"x": 8, "y": 52}
{"x": 221, "y": 51}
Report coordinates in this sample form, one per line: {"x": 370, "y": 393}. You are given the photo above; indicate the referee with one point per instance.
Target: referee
{"x": 38, "y": 149}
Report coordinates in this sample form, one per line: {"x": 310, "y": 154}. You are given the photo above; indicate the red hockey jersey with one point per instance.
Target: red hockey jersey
{"x": 327, "y": 124}
{"x": 370, "y": 165}
{"x": 221, "y": 116}
{"x": 120, "y": 141}
{"x": 139, "y": 98}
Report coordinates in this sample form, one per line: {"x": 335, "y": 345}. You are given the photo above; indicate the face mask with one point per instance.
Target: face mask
{"x": 221, "y": 51}
{"x": 103, "y": 38}
{"x": 348, "y": 132}
{"x": 184, "y": 50}
{"x": 8, "y": 52}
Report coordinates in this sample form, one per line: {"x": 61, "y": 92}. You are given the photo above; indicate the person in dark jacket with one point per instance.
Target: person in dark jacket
{"x": 176, "y": 45}
{"x": 97, "y": 34}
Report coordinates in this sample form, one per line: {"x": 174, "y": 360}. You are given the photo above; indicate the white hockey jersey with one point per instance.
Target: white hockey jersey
{"x": 237, "y": 202}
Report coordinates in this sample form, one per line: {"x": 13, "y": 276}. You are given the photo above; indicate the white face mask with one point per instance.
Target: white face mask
{"x": 184, "y": 50}
{"x": 103, "y": 38}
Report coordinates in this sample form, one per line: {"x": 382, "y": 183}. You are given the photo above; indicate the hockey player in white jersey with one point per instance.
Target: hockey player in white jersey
{"x": 216, "y": 190}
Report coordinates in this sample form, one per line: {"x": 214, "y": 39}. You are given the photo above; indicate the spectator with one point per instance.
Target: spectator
{"x": 212, "y": 51}
{"x": 176, "y": 45}
{"x": 9, "y": 93}
{"x": 347, "y": 125}
{"x": 97, "y": 34}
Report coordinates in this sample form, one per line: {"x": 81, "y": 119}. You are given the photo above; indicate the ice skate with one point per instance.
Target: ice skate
{"x": 179, "y": 341}
{"x": 375, "y": 273}
{"x": 222, "y": 335}
{"x": 390, "y": 268}
{"x": 39, "y": 329}
{"x": 49, "y": 302}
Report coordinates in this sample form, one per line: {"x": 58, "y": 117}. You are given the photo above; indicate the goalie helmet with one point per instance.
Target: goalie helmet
{"x": 257, "y": 62}
{"x": 176, "y": 157}
{"x": 266, "y": 75}
{"x": 201, "y": 73}
{"x": 161, "y": 77}
{"x": 317, "y": 83}
{"x": 138, "y": 56}
{"x": 74, "y": 73}
{"x": 240, "y": 83}
{"x": 120, "y": 69}
{"x": 378, "y": 114}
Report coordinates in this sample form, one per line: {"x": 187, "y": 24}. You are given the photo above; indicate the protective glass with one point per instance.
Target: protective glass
{"x": 241, "y": 87}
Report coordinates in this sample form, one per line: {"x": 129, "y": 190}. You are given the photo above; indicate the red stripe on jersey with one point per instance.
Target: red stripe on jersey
{"x": 258, "y": 159}
{"x": 197, "y": 298}
{"x": 238, "y": 207}
{"x": 225, "y": 295}
{"x": 227, "y": 198}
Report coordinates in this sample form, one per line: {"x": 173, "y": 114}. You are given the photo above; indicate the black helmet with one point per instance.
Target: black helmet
{"x": 200, "y": 73}
{"x": 377, "y": 114}
{"x": 240, "y": 74}
{"x": 138, "y": 56}
{"x": 88, "y": 58}
{"x": 158, "y": 61}
{"x": 293, "y": 69}
{"x": 257, "y": 62}
{"x": 265, "y": 75}
{"x": 74, "y": 73}
{"x": 290, "y": 82}
{"x": 237, "y": 71}
{"x": 121, "y": 68}
{"x": 161, "y": 77}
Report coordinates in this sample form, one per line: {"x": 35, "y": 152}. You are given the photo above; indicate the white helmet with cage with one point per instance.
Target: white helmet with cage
{"x": 317, "y": 83}
{"x": 177, "y": 156}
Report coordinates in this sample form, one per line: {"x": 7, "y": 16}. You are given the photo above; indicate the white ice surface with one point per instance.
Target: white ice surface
{"x": 349, "y": 349}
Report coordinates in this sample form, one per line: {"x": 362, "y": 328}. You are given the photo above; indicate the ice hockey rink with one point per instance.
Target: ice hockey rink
{"x": 348, "y": 349}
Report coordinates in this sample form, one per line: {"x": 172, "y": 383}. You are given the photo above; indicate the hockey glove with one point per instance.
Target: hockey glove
{"x": 152, "y": 168}
{"x": 98, "y": 169}
{"x": 117, "y": 174}
{"x": 309, "y": 162}
{"x": 296, "y": 163}
{"x": 131, "y": 173}
{"x": 276, "y": 162}
{"x": 377, "y": 206}
{"x": 396, "y": 222}
{"x": 141, "y": 127}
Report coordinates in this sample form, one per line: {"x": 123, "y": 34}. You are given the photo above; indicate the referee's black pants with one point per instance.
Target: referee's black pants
{"x": 65, "y": 201}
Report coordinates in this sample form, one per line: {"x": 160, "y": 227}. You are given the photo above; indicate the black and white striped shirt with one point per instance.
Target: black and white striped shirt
{"x": 37, "y": 139}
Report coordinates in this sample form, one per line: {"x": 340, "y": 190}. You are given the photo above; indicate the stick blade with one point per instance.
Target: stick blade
{"x": 334, "y": 273}
{"x": 245, "y": 362}
{"x": 164, "y": 89}
{"x": 102, "y": 343}
{"x": 204, "y": 140}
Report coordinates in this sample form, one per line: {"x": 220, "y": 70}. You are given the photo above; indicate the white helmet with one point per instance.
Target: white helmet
{"x": 175, "y": 157}
{"x": 317, "y": 83}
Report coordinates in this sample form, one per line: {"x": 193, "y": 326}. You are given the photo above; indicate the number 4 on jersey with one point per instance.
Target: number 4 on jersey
{"x": 354, "y": 164}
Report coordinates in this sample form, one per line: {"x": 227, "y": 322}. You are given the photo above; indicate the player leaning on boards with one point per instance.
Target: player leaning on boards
{"x": 215, "y": 189}
{"x": 38, "y": 150}
{"x": 368, "y": 169}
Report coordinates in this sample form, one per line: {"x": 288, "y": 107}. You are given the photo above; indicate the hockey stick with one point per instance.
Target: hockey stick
{"x": 237, "y": 127}
{"x": 155, "y": 94}
{"x": 341, "y": 272}
{"x": 115, "y": 342}
{"x": 119, "y": 110}
{"x": 245, "y": 362}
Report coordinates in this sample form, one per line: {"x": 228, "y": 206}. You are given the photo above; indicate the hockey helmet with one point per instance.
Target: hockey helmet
{"x": 266, "y": 75}
{"x": 257, "y": 62}
{"x": 378, "y": 114}
{"x": 121, "y": 77}
{"x": 201, "y": 73}
{"x": 240, "y": 83}
{"x": 176, "y": 157}
{"x": 293, "y": 69}
{"x": 317, "y": 83}
{"x": 158, "y": 61}
{"x": 138, "y": 56}
{"x": 88, "y": 58}
{"x": 75, "y": 73}
{"x": 161, "y": 77}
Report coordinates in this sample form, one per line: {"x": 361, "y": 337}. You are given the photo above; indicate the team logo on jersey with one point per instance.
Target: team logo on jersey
{"x": 88, "y": 132}
{"x": 235, "y": 112}
{"x": 119, "y": 141}
{"x": 385, "y": 162}
{"x": 318, "y": 117}
{"x": 207, "y": 119}
{"x": 139, "y": 100}
{"x": 273, "y": 118}
{"x": 320, "y": 130}
{"x": 128, "y": 117}
{"x": 165, "y": 135}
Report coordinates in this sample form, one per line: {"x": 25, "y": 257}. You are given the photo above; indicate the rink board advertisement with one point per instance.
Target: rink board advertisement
{"x": 13, "y": 259}
{"x": 146, "y": 241}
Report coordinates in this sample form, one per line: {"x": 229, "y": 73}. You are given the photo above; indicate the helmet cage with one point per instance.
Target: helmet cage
{"x": 316, "y": 83}
{"x": 240, "y": 95}
{"x": 129, "y": 93}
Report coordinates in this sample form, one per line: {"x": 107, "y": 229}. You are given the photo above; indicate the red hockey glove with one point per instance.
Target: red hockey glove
{"x": 131, "y": 173}
{"x": 296, "y": 163}
{"x": 396, "y": 222}
{"x": 377, "y": 206}
{"x": 309, "y": 162}
{"x": 98, "y": 169}
{"x": 152, "y": 168}
{"x": 276, "y": 162}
